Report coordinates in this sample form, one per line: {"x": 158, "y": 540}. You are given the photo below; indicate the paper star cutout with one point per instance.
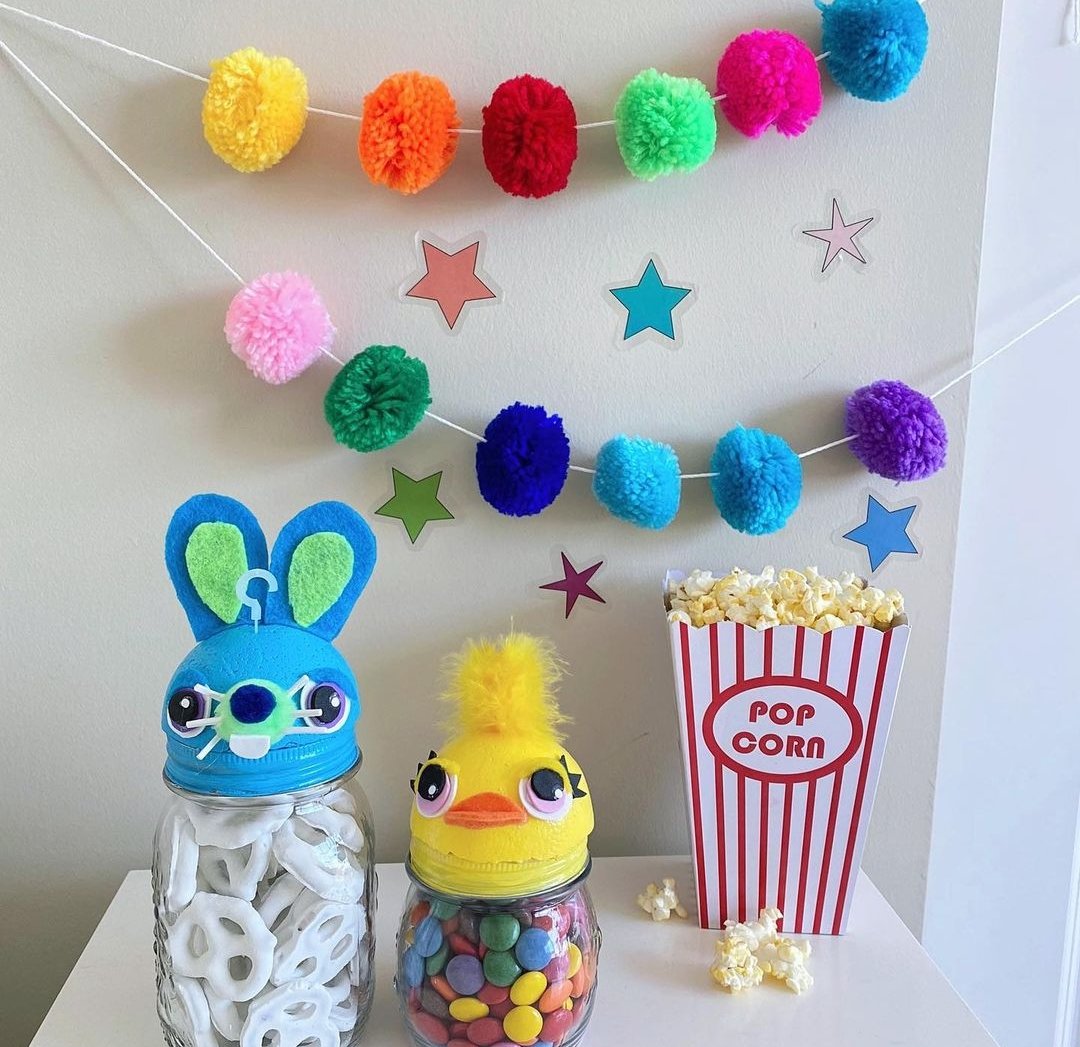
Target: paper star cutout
{"x": 884, "y": 532}
{"x": 650, "y": 304}
{"x": 575, "y": 583}
{"x": 415, "y": 503}
{"x": 451, "y": 279}
{"x": 840, "y": 236}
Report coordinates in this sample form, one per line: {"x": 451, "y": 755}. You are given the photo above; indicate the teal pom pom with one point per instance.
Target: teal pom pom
{"x": 638, "y": 480}
{"x": 377, "y": 398}
{"x": 758, "y": 480}
{"x": 874, "y": 48}
{"x": 663, "y": 124}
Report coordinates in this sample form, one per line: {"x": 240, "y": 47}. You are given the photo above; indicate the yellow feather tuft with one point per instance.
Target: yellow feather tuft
{"x": 505, "y": 687}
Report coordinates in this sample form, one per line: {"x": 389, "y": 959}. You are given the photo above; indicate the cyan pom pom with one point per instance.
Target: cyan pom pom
{"x": 522, "y": 463}
{"x": 758, "y": 480}
{"x": 638, "y": 480}
{"x": 874, "y": 48}
{"x": 664, "y": 124}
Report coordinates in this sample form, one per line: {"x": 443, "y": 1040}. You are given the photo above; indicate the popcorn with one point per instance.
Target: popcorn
{"x": 746, "y": 952}
{"x": 787, "y": 597}
{"x": 735, "y": 967}
{"x": 660, "y": 902}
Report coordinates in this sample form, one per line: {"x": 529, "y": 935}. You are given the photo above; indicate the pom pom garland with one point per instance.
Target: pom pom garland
{"x": 898, "y": 431}
{"x": 638, "y": 480}
{"x": 254, "y": 109}
{"x": 664, "y": 124}
{"x": 523, "y": 461}
{"x": 407, "y": 137}
{"x": 278, "y": 325}
{"x": 529, "y": 137}
{"x": 874, "y": 48}
{"x": 377, "y": 398}
{"x": 758, "y": 480}
{"x": 769, "y": 79}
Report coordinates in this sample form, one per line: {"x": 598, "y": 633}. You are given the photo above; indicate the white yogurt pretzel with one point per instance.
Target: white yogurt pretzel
{"x": 339, "y": 825}
{"x": 236, "y": 871}
{"x": 194, "y": 1004}
{"x": 328, "y": 868}
{"x": 316, "y": 941}
{"x": 212, "y": 934}
{"x": 233, "y": 827}
{"x": 290, "y": 1015}
{"x": 345, "y": 1000}
{"x": 183, "y": 862}
{"x": 276, "y": 900}
{"x": 227, "y": 1015}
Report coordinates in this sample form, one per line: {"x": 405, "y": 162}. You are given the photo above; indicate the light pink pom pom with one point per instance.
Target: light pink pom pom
{"x": 278, "y": 325}
{"x": 769, "y": 79}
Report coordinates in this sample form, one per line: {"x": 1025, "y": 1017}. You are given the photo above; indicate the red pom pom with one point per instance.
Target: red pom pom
{"x": 529, "y": 137}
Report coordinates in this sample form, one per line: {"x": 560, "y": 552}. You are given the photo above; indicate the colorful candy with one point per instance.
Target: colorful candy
{"x": 501, "y": 979}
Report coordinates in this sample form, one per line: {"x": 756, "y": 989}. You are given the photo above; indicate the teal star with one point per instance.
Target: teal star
{"x": 883, "y": 532}
{"x": 650, "y": 303}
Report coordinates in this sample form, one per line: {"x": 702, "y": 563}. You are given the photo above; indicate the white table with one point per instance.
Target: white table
{"x": 875, "y": 986}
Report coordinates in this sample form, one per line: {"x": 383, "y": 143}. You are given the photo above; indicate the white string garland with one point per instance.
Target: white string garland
{"x": 154, "y": 195}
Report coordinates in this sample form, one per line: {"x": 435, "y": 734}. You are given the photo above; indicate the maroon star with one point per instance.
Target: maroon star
{"x": 575, "y": 583}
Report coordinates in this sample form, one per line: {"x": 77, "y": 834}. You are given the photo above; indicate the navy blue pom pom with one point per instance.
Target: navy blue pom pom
{"x": 522, "y": 464}
{"x": 874, "y": 48}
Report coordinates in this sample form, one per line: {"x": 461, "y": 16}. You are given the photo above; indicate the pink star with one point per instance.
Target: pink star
{"x": 450, "y": 280}
{"x": 840, "y": 237}
{"x": 575, "y": 583}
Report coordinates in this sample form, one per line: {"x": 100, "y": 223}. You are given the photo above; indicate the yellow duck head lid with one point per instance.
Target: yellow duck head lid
{"x": 502, "y": 810}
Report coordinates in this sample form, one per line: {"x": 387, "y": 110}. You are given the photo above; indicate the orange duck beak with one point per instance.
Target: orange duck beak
{"x": 485, "y": 811}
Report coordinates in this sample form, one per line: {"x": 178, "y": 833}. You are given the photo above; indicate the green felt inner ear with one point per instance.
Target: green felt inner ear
{"x": 216, "y": 558}
{"x": 321, "y": 567}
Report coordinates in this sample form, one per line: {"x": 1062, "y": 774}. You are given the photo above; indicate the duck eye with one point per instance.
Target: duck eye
{"x": 545, "y": 794}
{"x": 435, "y": 790}
{"x": 185, "y": 705}
{"x": 325, "y": 706}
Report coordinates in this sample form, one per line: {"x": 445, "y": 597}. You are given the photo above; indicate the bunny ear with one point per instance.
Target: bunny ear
{"x": 322, "y": 560}
{"x": 212, "y": 540}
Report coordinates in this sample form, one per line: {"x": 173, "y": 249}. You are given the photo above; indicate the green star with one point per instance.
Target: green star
{"x": 415, "y": 503}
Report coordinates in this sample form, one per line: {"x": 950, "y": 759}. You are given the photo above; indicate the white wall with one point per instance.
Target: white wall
{"x": 118, "y": 398}
{"x": 1009, "y": 777}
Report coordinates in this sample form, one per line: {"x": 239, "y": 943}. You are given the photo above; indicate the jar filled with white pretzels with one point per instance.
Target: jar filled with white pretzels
{"x": 263, "y": 866}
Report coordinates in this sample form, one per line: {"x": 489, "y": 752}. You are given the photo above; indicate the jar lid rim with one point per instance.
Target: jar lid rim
{"x": 232, "y": 798}
{"x": 548, "y": 894}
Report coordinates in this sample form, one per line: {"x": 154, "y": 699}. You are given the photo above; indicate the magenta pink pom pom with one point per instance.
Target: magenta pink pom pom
{"x": 278, "y": 325}
{"x": 769, "y": 79}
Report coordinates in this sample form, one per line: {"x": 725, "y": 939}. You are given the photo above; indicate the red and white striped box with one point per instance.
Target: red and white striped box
{"x": 783, "y": 732}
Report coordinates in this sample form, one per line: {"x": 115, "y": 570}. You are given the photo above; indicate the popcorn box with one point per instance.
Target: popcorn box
{"x": 783, "y": 732}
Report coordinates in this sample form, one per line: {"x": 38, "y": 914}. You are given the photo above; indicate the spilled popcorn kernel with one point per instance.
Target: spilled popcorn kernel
{"x": 786, "y": 597}
{"x": 747, "y": 952}
{"x": 661, "y": 901}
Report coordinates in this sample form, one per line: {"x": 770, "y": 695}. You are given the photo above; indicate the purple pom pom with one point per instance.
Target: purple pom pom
{"x": 898, "y": 431}
{"x": 522, "y": 464}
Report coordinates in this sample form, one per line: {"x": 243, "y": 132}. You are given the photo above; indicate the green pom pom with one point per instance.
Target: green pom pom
{"x": 663, "y": 124}
{"x": 377, "y": 398}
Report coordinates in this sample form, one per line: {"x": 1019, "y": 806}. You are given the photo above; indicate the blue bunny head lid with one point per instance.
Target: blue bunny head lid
{"x": 264, "y": 703}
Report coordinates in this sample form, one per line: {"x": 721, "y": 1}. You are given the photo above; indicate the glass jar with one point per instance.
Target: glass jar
{"x": 484, "y": 971}
{"x": 264, "y": 917}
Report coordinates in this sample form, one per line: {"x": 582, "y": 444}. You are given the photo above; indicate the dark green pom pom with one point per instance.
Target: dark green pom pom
{"x": 377, "y": 398}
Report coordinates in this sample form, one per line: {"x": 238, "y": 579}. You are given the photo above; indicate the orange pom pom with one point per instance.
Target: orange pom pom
{"x": 407, "y": 137}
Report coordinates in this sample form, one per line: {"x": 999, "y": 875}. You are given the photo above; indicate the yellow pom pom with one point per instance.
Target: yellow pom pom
{"x": 254, "y": 109}
{"x": 506, "y": 687}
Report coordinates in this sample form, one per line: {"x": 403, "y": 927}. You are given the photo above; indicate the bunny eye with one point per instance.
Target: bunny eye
{"x": 435, "y": 788}
{"x": 545, "y": 794}
{"x": 186, "y": 705}
{"x": 325, "y": 707}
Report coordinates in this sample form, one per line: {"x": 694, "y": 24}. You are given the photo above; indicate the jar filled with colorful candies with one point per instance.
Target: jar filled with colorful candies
{"x": 263, "y": 867}
{"x": 499, "y": 942}
{"x": 484, "y": 973}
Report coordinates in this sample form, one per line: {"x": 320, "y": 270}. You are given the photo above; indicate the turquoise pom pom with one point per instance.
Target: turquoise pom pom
{"x": 758, "y": 480}
{"x": 874, "y": 48}
{"x": 638, "y": 480}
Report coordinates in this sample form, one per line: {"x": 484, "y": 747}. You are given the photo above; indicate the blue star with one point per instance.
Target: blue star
{"x": 649, "y": 303}
{"x": 884, "y": 532}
